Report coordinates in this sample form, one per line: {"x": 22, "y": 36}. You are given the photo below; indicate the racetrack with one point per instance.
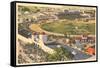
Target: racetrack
{"x": 36, "y": 28}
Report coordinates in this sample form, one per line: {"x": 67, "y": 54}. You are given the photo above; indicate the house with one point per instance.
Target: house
{"x": 44, "y": 36}
{"x": 84, "y": 39}
{"x": 90, "y": 49}
{"x": 25, "y": 33}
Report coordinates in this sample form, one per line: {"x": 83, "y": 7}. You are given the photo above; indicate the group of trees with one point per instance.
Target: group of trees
{"x": 62, "y": 54}
{"x": 31, "y": 9}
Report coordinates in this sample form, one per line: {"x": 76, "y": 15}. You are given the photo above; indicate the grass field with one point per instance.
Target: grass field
{"x": 69, "y": 27}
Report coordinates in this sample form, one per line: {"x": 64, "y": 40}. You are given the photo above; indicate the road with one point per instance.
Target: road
{"x": 40, "y": 43}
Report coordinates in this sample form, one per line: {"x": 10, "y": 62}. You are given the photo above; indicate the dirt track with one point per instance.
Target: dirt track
{"x": 36, "y": 27}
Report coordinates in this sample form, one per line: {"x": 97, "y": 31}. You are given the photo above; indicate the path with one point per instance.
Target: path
{"x": 40, "y": 43}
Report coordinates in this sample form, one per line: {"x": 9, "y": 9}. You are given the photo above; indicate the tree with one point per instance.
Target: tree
{"x": 25, "y": 9}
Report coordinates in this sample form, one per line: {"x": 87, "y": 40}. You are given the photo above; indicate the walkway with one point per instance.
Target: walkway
{"x": 40, "y": 43}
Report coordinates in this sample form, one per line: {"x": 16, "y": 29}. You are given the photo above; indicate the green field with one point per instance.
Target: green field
{"x": 69, "y": 27}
